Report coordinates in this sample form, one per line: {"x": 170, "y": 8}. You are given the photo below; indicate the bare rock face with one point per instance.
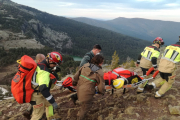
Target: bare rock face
{"x": 51, "y": 37}
{"x": 3, "y": 35}
{"x": 174, "y": 110}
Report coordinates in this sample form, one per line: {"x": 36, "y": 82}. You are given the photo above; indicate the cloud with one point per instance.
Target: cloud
{"x": 106, "y": 9}
{"x": 149, "y": 0}
{"x": 172, "y": 5}
{"x": 65, "y": 4}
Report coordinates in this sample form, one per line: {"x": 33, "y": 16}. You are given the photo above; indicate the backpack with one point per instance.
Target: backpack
{"x": 117, "y": 73}
{"x": 21, "y": 82}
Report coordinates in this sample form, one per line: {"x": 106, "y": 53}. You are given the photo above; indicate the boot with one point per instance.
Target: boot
{"x": 157, "y": 95}
{"x": 140, "y": 90}
{"x": 27, "y": 114}
{"x": 74, "y": 98}
{"x": 148, "y": 87}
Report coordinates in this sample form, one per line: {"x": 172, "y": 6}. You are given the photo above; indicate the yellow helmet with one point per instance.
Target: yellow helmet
{"x": 118, "y": 83}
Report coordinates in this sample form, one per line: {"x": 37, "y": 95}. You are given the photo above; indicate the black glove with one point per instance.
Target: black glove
{"x": 74, "y": 83}
{"x": 55, "y": 106}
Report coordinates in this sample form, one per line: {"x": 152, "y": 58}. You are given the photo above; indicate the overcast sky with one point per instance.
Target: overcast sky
{"x": 168, "y": 10}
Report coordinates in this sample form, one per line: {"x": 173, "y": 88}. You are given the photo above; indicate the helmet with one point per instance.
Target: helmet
{"x": 118, "y": 83}
{"x": 159, "y": 41}
{"x": 55, "y": 57}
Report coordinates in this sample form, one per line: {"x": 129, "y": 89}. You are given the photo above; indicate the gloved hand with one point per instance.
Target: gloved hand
{"x": 55, "y": 106}
{"x": 74, "y": 83}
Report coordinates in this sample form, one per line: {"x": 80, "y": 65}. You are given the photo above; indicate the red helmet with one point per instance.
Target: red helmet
{"x": 159, "y": 41}
{"x": 55, "y": 57}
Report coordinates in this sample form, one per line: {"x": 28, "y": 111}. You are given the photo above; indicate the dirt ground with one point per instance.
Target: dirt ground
{"x": 117, "y": 106}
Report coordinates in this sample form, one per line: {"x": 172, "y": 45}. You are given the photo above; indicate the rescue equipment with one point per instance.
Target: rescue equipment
{"x": 21, "y": 82}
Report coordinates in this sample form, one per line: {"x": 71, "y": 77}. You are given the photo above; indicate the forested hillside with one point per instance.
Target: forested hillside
{"x": 66, "y": 35}
{"x": 140, "y": 28}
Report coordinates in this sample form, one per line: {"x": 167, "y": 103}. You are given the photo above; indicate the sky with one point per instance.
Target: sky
{"x": 167, "y": 10}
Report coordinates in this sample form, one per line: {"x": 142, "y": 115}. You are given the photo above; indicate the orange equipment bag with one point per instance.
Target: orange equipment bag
{"x": 67, "y": 82}
{"x": 21, "y": 83}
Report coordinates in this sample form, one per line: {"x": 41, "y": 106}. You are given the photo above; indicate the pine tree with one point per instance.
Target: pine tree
{"x": 114, "y": 61}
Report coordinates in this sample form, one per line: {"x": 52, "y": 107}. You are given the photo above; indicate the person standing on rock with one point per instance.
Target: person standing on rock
{"x": 42, "y": 81}
{"x": 85, "y": 79}
{"x": 86, "y": 59}
{"x": 147, "y": 59}
{"x": 167, "y": 67}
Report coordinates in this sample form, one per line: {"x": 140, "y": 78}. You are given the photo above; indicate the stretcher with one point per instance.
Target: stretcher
{"x": 133, "y": 81}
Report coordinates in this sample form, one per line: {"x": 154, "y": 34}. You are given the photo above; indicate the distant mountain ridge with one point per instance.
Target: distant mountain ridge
{"x": 65, "y": 35}
{"x": 140, "y": 28}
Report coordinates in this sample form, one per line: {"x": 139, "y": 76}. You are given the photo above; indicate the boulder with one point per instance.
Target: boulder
{"x": 174, "y": 110}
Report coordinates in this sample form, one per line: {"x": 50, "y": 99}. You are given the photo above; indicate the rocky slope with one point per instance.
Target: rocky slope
{"x": 128, "y": 106}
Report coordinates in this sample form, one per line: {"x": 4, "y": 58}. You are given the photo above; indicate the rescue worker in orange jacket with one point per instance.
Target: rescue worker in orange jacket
{"x": 42, "y": 81}
{"x": 148, "y": 58}
{"x": 167, "y": 67}
{"x": 86, "y": 78}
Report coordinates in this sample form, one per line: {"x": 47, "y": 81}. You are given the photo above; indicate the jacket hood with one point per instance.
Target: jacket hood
{"x": 89, "y": 68}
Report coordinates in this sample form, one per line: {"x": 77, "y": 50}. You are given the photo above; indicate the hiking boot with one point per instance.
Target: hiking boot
{"x": 140, "y": 90}
{"x": 157, "y": 97}
{"x": 74, "y": 98}
{"x": 148, "y": 87}
{"x": 27, "y": 114}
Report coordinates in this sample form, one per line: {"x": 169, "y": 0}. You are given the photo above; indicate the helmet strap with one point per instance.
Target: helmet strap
{"x": 48, "y": 60}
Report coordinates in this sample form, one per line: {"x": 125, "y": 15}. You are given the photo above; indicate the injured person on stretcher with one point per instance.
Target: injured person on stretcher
{"x": 115, "y": 79}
